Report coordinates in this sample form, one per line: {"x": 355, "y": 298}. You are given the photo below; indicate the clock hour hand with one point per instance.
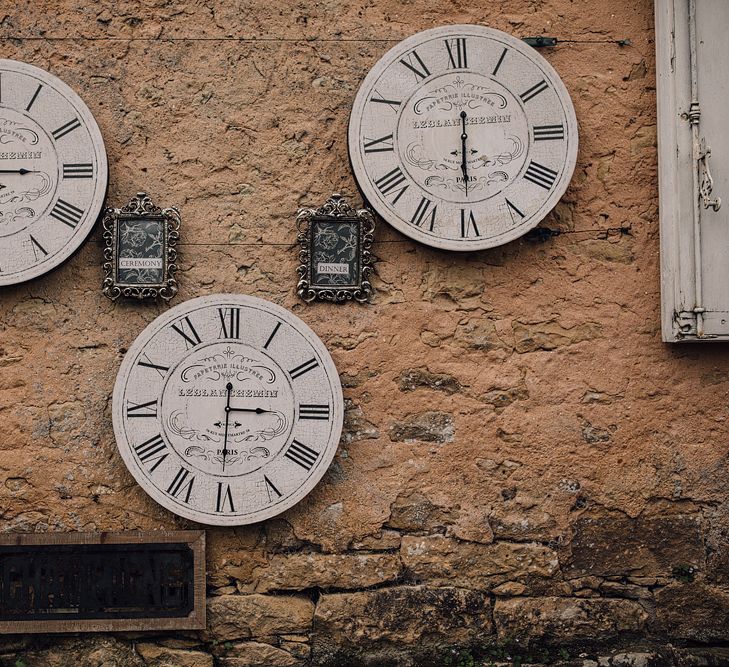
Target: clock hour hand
{"x": 229, "y": 388}
{"x": 258, "y": 411}
{"x": 464, "y": 164}
{"x": 18, "y": 171}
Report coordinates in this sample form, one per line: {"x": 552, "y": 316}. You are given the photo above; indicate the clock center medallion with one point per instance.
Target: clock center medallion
{"x": 227, "y": 409}
{"x": 463, "y": 137}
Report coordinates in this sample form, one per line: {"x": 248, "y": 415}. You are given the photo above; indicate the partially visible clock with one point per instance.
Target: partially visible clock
{"x": 463, "y": 137}
{"x": 227, "y": 409}
{"x": 53, "y": 172}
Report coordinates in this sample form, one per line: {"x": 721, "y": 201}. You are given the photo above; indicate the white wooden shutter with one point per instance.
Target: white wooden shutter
{"x": 692, "y": 66}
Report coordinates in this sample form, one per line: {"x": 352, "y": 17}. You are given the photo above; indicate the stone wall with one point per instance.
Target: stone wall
{"x": 526, "y": 470}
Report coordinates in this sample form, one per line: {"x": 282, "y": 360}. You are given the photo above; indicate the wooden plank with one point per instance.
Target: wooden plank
{"x": 675, "y": 164}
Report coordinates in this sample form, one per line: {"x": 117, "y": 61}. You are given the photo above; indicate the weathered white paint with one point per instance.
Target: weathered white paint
{"x": 693, "y": 148}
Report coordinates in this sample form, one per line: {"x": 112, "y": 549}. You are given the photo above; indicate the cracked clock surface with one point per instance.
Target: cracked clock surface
{"x": 53, "y": 172}
{"x": 227, "y": 409}
{"x": 463, "y": 137}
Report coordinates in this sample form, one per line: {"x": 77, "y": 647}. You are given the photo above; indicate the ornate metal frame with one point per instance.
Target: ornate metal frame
{"x": 141, "y": 207}
{"x": 335, "y": 210}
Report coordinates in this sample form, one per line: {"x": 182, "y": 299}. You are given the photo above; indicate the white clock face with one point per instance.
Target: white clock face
{"x": 227, "y": 409}
{"x": 53, "y": 172}
{"x": 463, "y": 137}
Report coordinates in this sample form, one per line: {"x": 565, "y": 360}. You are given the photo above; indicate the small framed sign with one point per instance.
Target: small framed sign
{"x": 336, "y": 257}
{"x": 140, "y": 250}
{"x": 102, "y": 582}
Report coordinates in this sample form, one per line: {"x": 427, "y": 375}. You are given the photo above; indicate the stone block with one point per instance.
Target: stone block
{"x": 714, "y": 656}
{"x": 414, "y": 512}
{"x": 256, "y": 654}
{"x": 90, "y": 651}
{"x": 564, "y": 621}
{"x": 155, "y": 655}
{"x": 519, "y": 522}
{"x": 693, "y": 612}
{"x": 233, "y": 617}
{"x": 299, "y": 571}
{"x": 501, "y": 398}
{"x": 611, "y": 544}
{"x": 407, "y": 617}
{"x": 480, "y": 335}
{"x": 442, "y": 561}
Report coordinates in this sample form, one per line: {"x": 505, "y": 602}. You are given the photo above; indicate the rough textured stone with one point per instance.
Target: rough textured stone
{"x": 383, "y": 540}
{"x": 418, "y": 617}
{"x": 523, "y": 519}
{"x": 414, "y": 512}
{"x": 632, "y": 659}
{"x": 92, "y": 651}
{"x": 700, "y": 657}
{"x": 295, "y": 572}
{"x": 155, "y": 655}
{"x": 246, "y": 616}
{"x": 530, "y": 337}
{"x": 426, "y": 426}
{"x": 502, "y": 398}
{"x": 442, "y": 561}
{"x": 613, "y": 544}
{"x": 255, "y": 654}
{"x": 480, "y": 335}
{"x": 567, "y": 621}
{"x": 693, "y": 611}
{"x": 355, "y": 426}
{"x": 620, "y": 590}
{"x": 717, "y": 544}
{"x": 415, "y": 378}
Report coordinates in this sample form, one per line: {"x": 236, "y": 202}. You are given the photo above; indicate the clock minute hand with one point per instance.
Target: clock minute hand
{"x": 464, "y": 164}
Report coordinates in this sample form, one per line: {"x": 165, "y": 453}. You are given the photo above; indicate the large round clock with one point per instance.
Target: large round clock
{"x": 463, "y": 137}
{"x": 227, "y": 409}
{"x": 53, "y": 172}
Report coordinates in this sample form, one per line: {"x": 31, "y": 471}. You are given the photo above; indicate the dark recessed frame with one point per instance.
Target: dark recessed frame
{"x": 336, "y": 257}
{"x": 140, "y": 250}
{"x": 102, "y": 582}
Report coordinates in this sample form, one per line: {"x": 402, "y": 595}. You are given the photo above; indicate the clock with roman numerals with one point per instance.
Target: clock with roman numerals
{"x": 463, "y": 137}
{"x": 227, "y": 409}
{"x": 53, "y": 172}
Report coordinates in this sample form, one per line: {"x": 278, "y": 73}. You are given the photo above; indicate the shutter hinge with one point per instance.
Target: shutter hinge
{"x": 686, "y": 322}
